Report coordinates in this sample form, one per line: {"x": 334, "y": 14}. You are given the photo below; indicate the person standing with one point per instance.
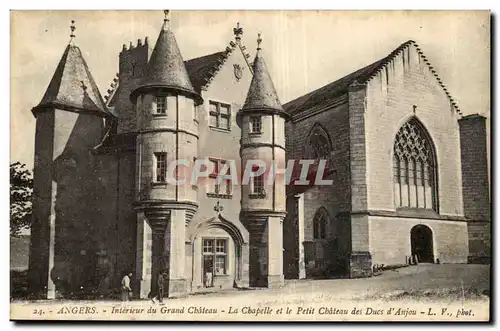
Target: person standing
{"x": 160, "y": 283}
{"x": 126, "y": 291}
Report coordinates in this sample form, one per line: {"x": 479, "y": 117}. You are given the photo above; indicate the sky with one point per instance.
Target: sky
{"x": 304, "y": 50}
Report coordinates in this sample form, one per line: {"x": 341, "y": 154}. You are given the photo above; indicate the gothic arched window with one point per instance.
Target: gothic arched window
{"x": 414, "y": 167}
{"x": 319, "y": 143}
{"x": 319, "y": 224}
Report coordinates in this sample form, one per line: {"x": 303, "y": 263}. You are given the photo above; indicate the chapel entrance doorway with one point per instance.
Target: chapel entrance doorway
{"x": 421, "y": 243}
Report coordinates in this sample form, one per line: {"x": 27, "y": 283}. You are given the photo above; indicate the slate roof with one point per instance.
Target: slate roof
{"x": 262, "y": 93}
{"x": 201, "y": 69}
{"x": 72, "y": 86}
{"x": 166, "y": 67}
{"x": 326, "y": 93}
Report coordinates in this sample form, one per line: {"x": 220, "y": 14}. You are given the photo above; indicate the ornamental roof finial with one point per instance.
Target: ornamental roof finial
{"x": 259, "y": 41}
{"x": 238, "y": 31}
{"x": 166, "y": 20}
{"x": 72, "y": 35}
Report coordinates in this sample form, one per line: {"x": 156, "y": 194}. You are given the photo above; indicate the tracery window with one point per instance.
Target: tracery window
{"x": 319, "y": 143}
{"x": 414, "y": 168}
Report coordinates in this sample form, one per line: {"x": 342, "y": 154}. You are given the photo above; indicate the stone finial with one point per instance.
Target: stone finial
{"x": 139, "y": 42}
{"x": 218, "y": 208}
{"x": 259, "y": 41}
{"x": 73, "y": 28}
{"x": 166, "y": 20}
{"x": 238, "y": 31}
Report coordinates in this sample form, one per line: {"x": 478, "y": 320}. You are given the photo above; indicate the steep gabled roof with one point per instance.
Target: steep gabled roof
{"x": 72, "y": 86}
{"x": 202, "y": 69}
{"x": 337, "y": 88}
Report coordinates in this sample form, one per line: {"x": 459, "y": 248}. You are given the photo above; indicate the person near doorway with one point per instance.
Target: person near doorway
{"x": 126, "y": 290}
{"x": 208, "y": 270}
{"x": 160, "y": 287}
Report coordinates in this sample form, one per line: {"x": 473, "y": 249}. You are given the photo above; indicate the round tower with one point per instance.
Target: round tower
{"x": 167, "y": 143}
{"x": 263, "y": 208}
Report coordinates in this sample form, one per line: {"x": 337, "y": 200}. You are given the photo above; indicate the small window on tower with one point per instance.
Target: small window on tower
{"x": 255, "y": 124}
{"x": 161, "y": 167}
{"x": 258, "y": 184}
{"x": 161, "y": 105}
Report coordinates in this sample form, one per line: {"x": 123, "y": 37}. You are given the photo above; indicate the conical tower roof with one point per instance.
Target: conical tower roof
{"x": 166, "y": 67}
{"x": 72, "y": 87}
{"x": 261, "y": 94}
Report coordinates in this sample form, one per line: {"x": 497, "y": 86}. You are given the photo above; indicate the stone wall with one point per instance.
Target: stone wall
{"x": 390, "y": 241}
{"x": 407, "y": 88}
{"x": 336, "y": 197}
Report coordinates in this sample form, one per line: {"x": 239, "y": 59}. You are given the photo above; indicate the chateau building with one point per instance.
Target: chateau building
{"x": 409, "y": 173}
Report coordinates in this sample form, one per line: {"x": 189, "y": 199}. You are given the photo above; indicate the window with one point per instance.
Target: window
{"x": 255, "y": 124}
{"x": 258, "y": 184}
{"x": 214, "y": 259}
{"x": 414, "y": 170}
{"x": 161, "y": 167}
{"x": 224, "y": 188}
{"x": 161, "y": 105}
{"x": 257, "y": 190}
{"x": 319, "y": 143}
{"x": 220, "y": 115}
{"x": 319, "y": 224}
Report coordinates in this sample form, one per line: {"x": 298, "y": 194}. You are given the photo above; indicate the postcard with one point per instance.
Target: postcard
{"x": 250, "y": 165}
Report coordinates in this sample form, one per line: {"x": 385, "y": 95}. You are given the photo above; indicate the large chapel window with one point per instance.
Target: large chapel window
{"x": 414, "y": 168}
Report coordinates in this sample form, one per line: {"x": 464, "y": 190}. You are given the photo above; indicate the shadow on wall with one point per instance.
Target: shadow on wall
{"x": 76, "y": 212}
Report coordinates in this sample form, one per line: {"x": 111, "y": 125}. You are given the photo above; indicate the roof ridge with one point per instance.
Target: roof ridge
{"x": 246, "y": 55}
{"x": 432, "y": 69}
{"x": 364, "y": 75}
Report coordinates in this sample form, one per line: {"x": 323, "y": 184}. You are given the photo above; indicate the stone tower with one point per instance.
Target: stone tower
{"x": 69, "y": 124}
{"x": 165, "y": 104}
{"x": 263, "y": 208}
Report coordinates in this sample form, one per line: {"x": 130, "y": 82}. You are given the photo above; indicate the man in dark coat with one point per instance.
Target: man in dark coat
{"x": 160, "y": 283}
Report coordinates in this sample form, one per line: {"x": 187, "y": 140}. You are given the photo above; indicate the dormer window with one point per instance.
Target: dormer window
{"x": 161, "y": 105}
{"x": 255, "y": 124}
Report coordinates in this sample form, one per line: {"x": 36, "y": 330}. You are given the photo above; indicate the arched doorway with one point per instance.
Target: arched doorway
{"x": 421, "y": 243}
{"x": 217, "y": 255}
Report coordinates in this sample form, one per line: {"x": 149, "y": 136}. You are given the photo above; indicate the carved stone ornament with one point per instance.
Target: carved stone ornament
{"x": 238, "y": 71}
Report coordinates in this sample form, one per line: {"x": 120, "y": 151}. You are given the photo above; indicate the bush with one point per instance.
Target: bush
{"x": 19, "y": 284}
